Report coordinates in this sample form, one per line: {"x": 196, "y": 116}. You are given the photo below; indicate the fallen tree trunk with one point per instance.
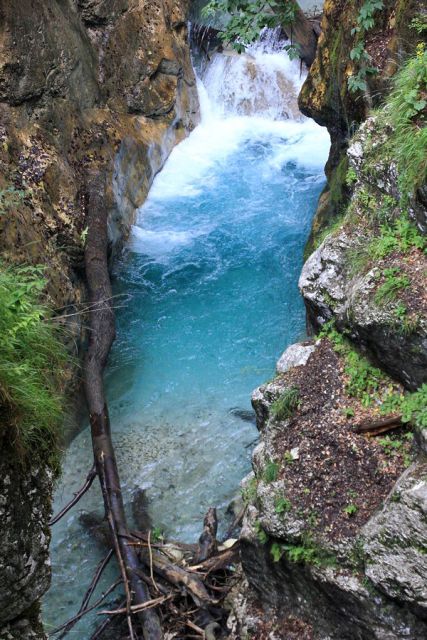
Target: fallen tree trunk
{"x": 101, "y": 337}
{"x": 375, "y": 427}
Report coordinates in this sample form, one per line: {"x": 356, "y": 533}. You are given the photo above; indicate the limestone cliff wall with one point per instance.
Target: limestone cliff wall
{"x": 325, "y": 96}
{"x": 85, "y": 86}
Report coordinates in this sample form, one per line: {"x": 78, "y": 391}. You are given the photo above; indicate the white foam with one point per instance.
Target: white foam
{"x": 193, "y": 164}
{"x": 158, "y": 243}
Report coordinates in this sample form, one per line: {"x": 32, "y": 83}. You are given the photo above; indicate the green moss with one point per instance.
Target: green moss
{"x": 331, "y": 209}
{"x": 307, "y": 551}
{"x": 363, "y": 380}
{"x": 32, "y": 358}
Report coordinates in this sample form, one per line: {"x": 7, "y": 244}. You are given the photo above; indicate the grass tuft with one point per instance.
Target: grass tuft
{"x": 285, "y": 406}
{"x": 406, "y": 111}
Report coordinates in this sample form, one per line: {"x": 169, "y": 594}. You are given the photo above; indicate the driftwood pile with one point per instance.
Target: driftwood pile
{"x": 187, "y": 585}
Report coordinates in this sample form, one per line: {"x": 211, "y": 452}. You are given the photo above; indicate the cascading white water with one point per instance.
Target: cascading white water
{"x": 211, "y": 269}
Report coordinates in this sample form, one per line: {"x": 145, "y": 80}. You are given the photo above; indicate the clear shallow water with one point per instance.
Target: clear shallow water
{"x": 211, "y": 300}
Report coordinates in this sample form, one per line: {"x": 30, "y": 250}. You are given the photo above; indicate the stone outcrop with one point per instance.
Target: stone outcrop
{"x": 352, "y": 576}
{"x": 335, "y": 283}
{"x": 86, "y": 87}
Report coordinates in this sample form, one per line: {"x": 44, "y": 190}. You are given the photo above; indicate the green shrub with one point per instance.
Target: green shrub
{"x": 412, "y": 406}
{"x": 306, "y": 552}
{"x": 249, "y": 17}
{"x": 31, "y": 363}
{"x": 350, "y": 509}
{"x": 363, "y": 380}
{"x": 285, "y": 406}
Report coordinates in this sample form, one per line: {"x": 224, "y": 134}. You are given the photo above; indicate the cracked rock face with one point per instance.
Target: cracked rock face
{"x": 24, "y": 551}
{"x": 330, "y": 291}
{"x": 396, "y": 544}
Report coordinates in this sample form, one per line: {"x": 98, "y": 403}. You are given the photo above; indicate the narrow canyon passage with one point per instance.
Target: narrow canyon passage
{"x": 207, "y": 301}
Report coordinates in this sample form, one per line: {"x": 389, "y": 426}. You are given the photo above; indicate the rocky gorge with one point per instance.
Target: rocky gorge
{"x": 333, "y": 543}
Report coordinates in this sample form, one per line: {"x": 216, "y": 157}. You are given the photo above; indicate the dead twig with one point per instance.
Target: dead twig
{"x": 80, "y": 615}
{"x": 138, "y": 607}
{"x": 151, "y": 562}
{"x": 79, "y": 494}
{"x": 98, "y": 573}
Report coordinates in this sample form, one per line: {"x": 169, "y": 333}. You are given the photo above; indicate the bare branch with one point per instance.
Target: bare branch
{"x": 79, "y": 494}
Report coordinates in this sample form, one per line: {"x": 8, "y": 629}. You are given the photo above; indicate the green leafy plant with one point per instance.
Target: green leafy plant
{"x": 32, "y": 359}
{"x": 285, "y": 406}
{"x": 249, "y": 492}
{"x": 348, "y": 412}
{"x": 365, "y": 22}
{"x": 363, "y": 380}
{"x": 406, "y": 111}
{"x": 419, "y": 23}
{"x": 393, "y": 283}
{"x": 271, "y": 471}
{"x": 390, "y": 445}
{"x": 276, "y": 551}
{"x": 248, "y": 18}
{"x": 260, "y": 533}
{"x": 307, "y": 551}
{"x": 157, "y": 534}
{"x": 400, "y": 236}
{"x": 351, "y": 509}
{"x": 351, "y": 177}
{"x": 412, "y": 406}
{"x": 282, "y": 505}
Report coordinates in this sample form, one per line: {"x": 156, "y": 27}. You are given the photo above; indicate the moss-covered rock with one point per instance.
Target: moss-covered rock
{"x": 325, "y": 95}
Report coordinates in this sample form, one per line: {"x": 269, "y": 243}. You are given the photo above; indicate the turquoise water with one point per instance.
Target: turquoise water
{"x": 207, "y": 301}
